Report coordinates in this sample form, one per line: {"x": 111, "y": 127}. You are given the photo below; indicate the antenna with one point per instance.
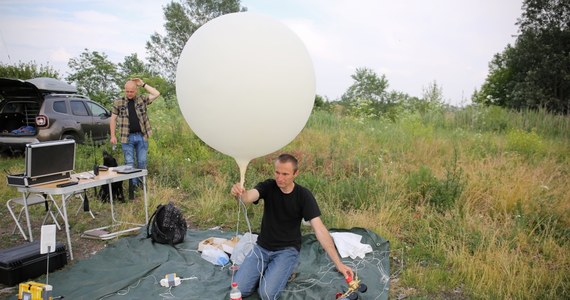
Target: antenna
{"x": 47, "y": 244}
{"x": 95, "y": 164}
{"x": 95, "y": 172}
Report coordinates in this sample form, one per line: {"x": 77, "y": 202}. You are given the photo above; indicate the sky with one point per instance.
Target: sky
{"x": 414, "y": 43}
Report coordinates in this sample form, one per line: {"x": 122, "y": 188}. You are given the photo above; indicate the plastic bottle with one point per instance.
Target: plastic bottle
{"x": 215, "y": 256}
{"x": 235, "y": 293}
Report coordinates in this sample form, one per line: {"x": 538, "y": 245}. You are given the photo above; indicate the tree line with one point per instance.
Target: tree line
{"x": 533, "y": 73}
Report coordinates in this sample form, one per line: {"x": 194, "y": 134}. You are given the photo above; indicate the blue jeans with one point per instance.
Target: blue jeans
{"x": 273, "y": 267}
{"x": 135, "y": 146}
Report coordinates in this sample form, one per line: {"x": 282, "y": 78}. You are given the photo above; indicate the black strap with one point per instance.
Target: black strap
{"x": 151, "y": 219}
{"x": 86, "y": 201}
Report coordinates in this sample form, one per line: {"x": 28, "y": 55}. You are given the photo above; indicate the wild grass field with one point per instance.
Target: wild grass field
{"x": 474, "y": 202}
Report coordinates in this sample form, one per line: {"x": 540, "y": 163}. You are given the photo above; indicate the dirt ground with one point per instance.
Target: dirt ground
{"x": 79, "y": 222}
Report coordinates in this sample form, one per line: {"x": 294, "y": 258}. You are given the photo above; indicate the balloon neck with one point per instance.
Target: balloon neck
{"x": 242, "y": 163}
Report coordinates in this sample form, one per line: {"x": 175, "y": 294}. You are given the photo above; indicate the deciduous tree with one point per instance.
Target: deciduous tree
{"x": 95, "y": 75}
{"x": 183, "y": 18}
{"x": 367, "y": 85}
{"x": 535, "y": 71}
{"x": 130, "y": 66}
{"x": 368, "y": 96}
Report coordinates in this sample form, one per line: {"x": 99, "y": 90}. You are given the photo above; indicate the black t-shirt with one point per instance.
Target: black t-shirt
{"x": 134, "y": 124}
{"x": 282, "y": 214}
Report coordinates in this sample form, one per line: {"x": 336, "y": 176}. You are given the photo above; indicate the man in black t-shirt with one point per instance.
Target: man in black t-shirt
{"x": 274, "y": 257}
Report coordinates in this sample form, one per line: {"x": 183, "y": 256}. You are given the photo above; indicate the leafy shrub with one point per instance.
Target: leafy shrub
{"x": 413, "y": 126}
{"x": 527, "y": 143}
{"x": 441, "y": 193}
{"x": 363, "y": 109}
{"x": 494, "y": 118}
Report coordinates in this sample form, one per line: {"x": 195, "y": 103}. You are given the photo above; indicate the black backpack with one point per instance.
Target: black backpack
{"x": 166, "y": 225}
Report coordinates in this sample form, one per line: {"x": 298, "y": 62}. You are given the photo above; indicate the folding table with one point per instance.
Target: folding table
{"x": 87, "y": 180}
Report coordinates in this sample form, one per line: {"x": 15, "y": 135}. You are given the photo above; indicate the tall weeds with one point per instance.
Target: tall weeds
{"x": 475, "y": 202}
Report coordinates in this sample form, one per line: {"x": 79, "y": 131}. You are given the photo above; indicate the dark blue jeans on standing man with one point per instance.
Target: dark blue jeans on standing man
{"x": 135, "y": 146}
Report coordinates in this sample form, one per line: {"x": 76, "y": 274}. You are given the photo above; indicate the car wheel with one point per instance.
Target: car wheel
{"x": 68, "y": 136}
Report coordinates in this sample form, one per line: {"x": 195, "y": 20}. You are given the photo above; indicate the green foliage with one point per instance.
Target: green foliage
{"x": 133, "y": 67}
{"x": 534, "y": 72}
{"x": 432, "y": 98}
{"x": 130, "y": 66}
{"x": 493, "y": 118}
{"x": 323, "y": 119}
{"x": 542, "y": 217}
{"x": 96, "y": 76}
{"x": 355, "y": 193}
{"x": 363, "y": 109}
{"x": 166, "y": 88}
{"x": 412, "y": 125}
{"x": 422, "y": 184}
{"x": 183, "y": 18}
{"x": 496, "y": 88}
{"x": 27, "y": 70}
{"x": 367, "y": 86}
{"x": 433, "y": 94}
{"x": 523, "y": 142}
{"x": 426, "y": 188}
{"x": 103, "y": 80}
{"x": 447, "y": 218}
{"x": 368, "y": 98}
{"x": 439, "y": 211}
{"x": 498, "y": 119}
{"x": 319, "y": 102}
{"x": 170, "y": 131}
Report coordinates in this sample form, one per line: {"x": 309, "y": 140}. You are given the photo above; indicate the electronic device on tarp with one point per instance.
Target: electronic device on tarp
{"x": 34, "y": 291}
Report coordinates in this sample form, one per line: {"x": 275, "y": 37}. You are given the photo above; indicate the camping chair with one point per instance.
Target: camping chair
{"x": 33, "y": 199}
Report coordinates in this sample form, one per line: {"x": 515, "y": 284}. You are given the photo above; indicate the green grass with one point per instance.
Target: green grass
{"x": 475, "y": 202}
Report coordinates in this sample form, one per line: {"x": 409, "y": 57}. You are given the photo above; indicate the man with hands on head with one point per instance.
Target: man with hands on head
{"x": 273, "y": 259}
{"x": 130, "y": 113}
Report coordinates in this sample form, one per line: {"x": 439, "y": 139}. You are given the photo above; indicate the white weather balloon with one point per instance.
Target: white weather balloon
{"x": 245, "y": 85}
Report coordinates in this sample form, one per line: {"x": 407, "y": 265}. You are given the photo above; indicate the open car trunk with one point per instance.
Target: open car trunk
{"x": 20, "y": 103}
{"x": 21, "y": 100}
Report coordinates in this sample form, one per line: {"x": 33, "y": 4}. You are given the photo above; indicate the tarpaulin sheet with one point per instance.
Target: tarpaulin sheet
{"x": 132, "y": 267}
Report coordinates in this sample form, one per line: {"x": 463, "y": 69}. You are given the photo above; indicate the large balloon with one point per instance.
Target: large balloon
{"x": 245, "y": 85}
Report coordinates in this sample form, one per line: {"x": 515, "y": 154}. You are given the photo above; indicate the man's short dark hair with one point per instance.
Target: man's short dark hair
{"x": 285, "y": 158}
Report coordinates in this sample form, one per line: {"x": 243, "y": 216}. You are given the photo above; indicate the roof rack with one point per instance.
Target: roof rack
{"x": 48, "y": 84}
{"x": 69, "y": 95}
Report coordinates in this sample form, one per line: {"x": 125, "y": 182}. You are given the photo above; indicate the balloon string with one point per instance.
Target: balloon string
{"x": 242, "y": 168}
{"x": 238, "y": 215}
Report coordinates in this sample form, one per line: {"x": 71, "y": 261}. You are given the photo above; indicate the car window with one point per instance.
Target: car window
{"x": 96, "y": 109}
{"x": 20, "y": 107}
{"x": 78, "y": 108}
{"x": 59, "y": 106}
{"x": 9, "y": 108}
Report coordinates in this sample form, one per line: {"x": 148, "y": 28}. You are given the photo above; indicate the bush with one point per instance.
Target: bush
{"x": 527, "y": 143}
{"x": 426, "y": 188}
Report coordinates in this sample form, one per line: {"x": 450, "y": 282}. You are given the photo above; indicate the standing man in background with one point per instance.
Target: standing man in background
{"x": 130, "y": 113}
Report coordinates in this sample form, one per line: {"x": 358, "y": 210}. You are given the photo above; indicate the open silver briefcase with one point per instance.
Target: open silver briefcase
{"x": 46, "y": 162}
